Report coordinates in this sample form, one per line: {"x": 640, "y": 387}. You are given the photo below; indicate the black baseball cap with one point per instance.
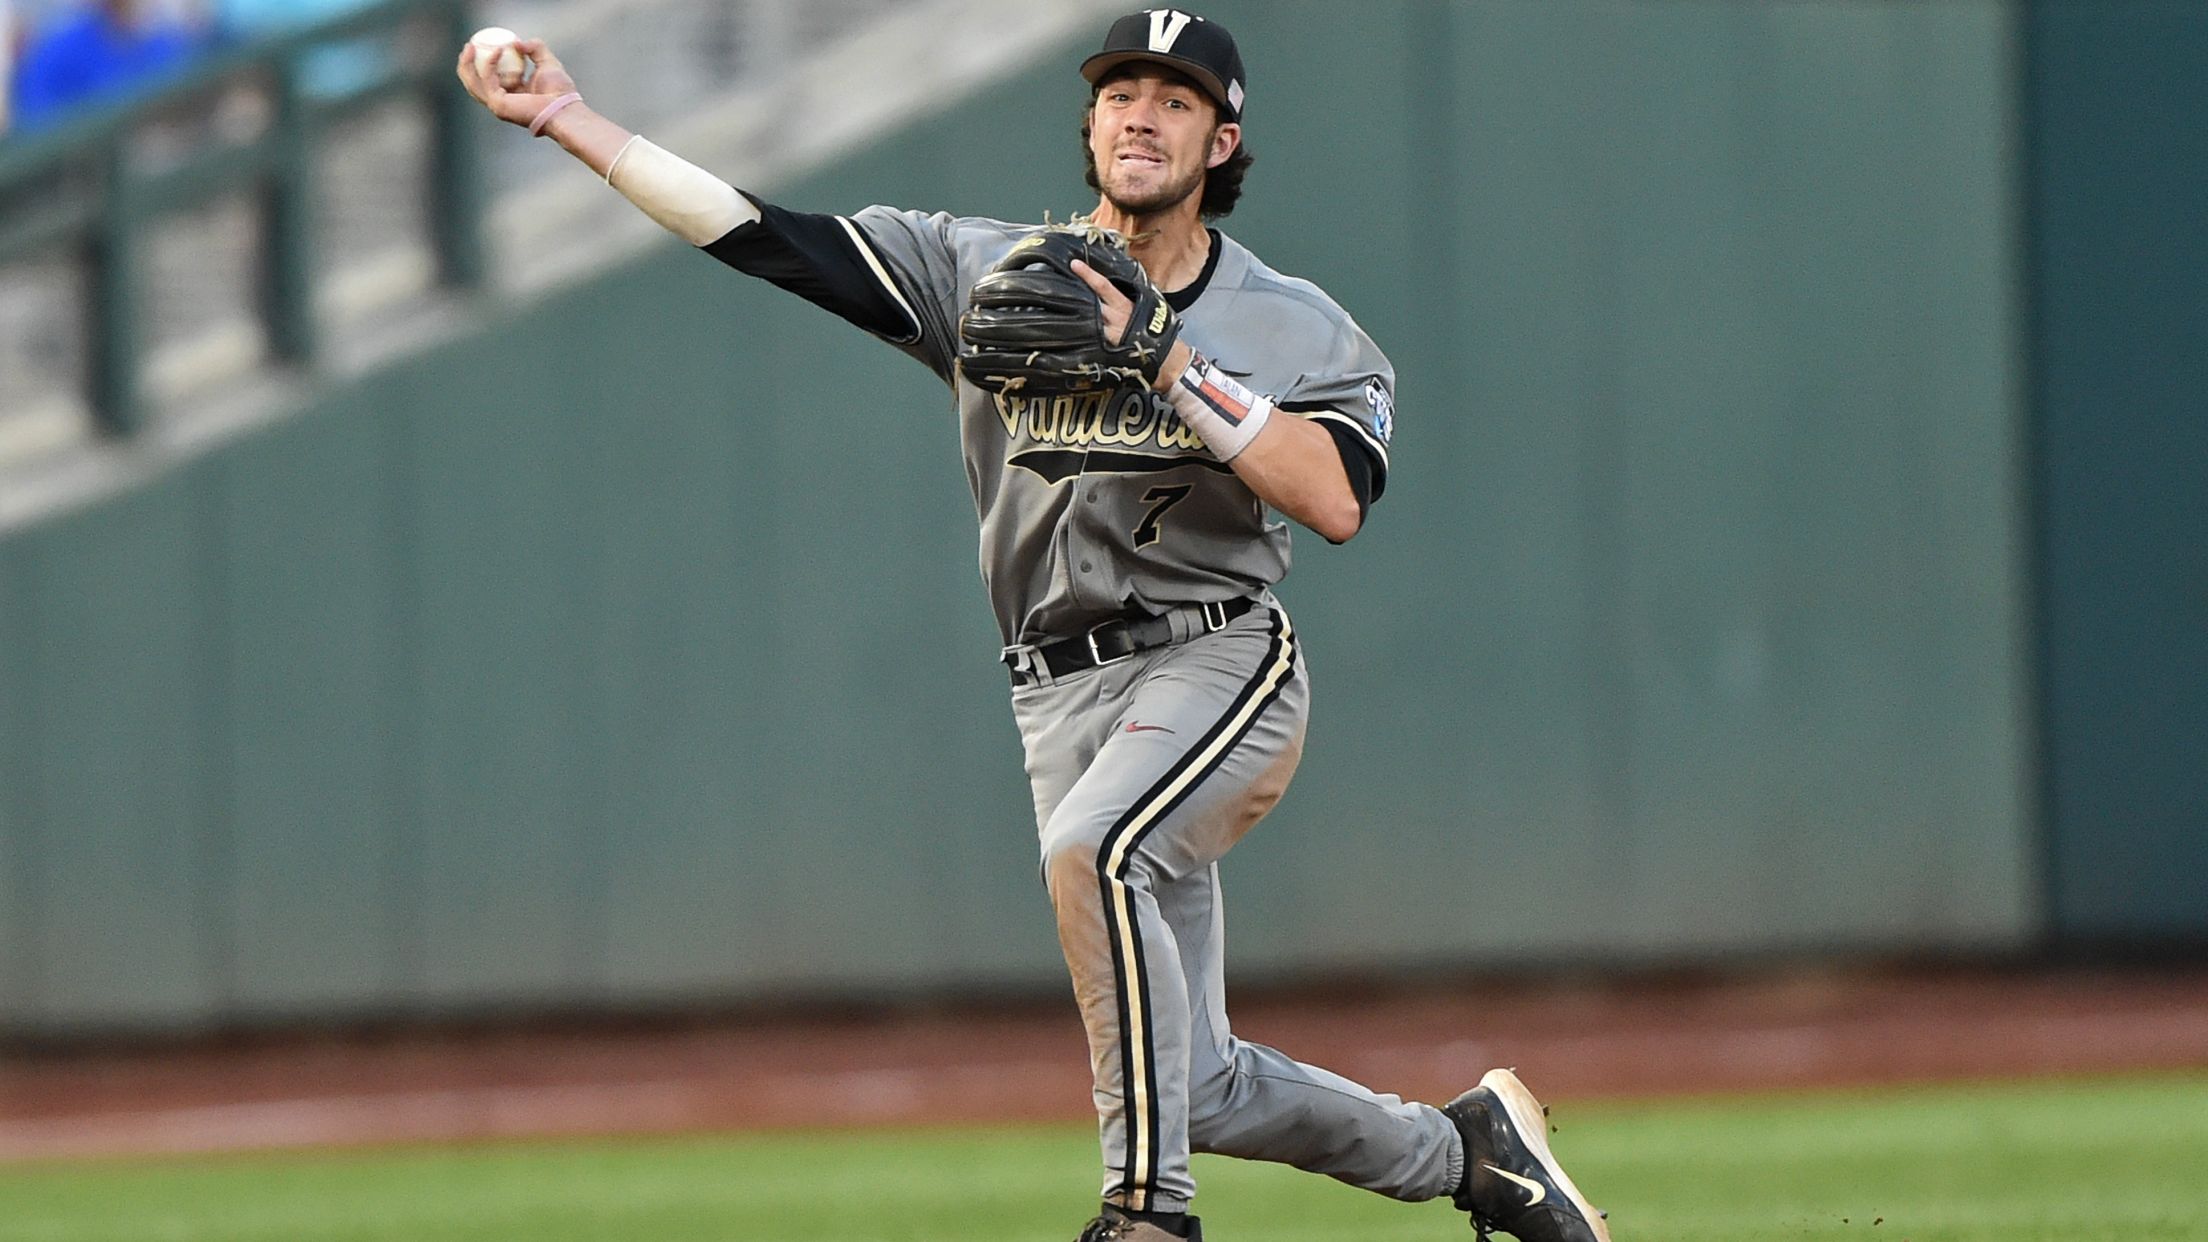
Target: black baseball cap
{"x": 1202, "y": 50}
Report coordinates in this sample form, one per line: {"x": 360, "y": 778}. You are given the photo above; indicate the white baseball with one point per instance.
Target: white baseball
{"x": 495, "y": 52}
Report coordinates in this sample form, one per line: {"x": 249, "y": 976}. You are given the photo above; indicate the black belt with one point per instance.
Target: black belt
{"x": 1120, "y": 638}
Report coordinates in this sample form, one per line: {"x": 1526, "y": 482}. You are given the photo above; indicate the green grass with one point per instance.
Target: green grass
{"x": 2083, "y": 1161}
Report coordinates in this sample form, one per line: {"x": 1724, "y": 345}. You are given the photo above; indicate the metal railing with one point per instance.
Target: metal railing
{"x": 302, "y": 208}
{"x": 243, "y": 123}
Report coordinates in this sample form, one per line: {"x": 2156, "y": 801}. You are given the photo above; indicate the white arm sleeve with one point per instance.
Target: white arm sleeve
{"x": 683, "y": 198}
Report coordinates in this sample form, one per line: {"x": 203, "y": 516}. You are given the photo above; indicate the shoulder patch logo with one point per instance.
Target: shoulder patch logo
{"x": 1383, "y": 409}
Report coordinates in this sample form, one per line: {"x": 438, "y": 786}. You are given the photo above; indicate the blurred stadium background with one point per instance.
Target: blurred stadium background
{"x": 428, "y": 595}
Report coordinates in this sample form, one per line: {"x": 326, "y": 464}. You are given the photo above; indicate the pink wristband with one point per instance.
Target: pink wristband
{"x": 544, "y": 118}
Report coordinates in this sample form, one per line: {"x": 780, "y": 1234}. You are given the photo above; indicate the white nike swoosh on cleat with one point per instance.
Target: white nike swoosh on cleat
{"x": 1525, "y": 1114}
{"x": 1537, "y": 1190}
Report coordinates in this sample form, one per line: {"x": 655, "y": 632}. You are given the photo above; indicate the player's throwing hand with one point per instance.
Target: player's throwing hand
{"x": 520, "y": 105}
{"x": 549, "y": 105}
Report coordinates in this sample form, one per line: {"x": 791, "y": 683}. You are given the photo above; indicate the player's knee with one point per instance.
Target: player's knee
{"x": 1069, "y": 862}
{"x": 1073, "y": 866}
{"x": 1210, "y": 1098}
{"x": 1074, "y": 842}
{"x": 1072, "y": 848}
{"x": 1215, "y": 1125}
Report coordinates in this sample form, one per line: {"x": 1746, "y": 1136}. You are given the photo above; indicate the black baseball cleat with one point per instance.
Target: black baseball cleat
{"x": 1512, "y": 1182}
{"x": 1114, "y": 1225}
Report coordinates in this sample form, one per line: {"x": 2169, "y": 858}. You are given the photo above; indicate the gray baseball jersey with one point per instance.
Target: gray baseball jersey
{"x": 1097, "y": 504}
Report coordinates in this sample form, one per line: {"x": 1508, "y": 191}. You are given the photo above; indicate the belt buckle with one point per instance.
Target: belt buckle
{"x": 1099, "y": 656}
{"x": 1215, "y": 616}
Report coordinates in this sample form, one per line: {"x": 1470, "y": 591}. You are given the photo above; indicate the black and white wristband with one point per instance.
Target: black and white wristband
{"x": 1220, "y": 409}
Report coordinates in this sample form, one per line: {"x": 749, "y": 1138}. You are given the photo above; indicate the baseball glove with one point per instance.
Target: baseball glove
{"x": 1033, "y": 325}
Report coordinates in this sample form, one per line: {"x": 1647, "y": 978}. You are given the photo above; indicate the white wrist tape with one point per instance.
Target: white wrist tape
{"x": 686, "y": 200}
{"x": 1227, "y": 415}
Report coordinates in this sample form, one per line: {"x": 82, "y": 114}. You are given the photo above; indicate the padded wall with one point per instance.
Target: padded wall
{"x": 1689, "y": 626}
{"x": 2119, "y": 259}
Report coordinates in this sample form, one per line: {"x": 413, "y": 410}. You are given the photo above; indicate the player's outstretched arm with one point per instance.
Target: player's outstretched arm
{"x": 820, "y": 258}
{"x": 686, "y": 200}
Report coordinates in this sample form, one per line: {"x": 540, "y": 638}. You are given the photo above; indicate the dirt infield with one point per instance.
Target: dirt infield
{"x": 1597, "y": 1037}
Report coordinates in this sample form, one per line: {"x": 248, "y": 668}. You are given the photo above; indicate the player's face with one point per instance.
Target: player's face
{"x": 1152, "y": 137}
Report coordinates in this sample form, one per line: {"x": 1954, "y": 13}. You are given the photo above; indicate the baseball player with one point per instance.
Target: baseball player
{"x": 1133, "y": 394}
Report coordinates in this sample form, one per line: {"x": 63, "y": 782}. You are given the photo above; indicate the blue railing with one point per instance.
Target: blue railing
{"x": 84, "y": 187}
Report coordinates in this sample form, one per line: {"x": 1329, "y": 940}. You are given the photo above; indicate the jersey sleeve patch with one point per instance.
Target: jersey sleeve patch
{"x": 1382, "y": 405}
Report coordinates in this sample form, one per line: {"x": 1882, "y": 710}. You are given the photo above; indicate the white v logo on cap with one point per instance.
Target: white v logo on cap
{"x": 1166, "y": 26}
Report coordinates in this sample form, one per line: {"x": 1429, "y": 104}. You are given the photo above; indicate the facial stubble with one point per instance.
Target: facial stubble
{"x": 1164, "y": 198}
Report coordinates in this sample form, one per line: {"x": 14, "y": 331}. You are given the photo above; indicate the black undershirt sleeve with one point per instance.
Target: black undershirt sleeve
{"x": 814, "y": 257}
{"x": 1367, "y": 477}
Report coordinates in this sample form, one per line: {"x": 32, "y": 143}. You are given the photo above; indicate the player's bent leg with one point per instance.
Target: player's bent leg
{"x": 1249, "y": 1101}
{"x": 1261, "y": 1104}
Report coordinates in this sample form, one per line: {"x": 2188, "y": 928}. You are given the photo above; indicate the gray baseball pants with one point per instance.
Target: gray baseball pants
{"x": 1145, "y": 773}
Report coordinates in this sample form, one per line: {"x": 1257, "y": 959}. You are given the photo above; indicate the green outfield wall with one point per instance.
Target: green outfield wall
{"x": 2118, "y": 253}
{"x": 630, "y": 649}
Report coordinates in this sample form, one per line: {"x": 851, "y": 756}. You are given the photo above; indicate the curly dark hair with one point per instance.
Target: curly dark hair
{"x": 1222, "y": 185}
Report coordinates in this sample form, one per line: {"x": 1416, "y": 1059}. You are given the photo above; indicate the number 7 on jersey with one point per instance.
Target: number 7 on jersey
{"x": 1159, "y": 499}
